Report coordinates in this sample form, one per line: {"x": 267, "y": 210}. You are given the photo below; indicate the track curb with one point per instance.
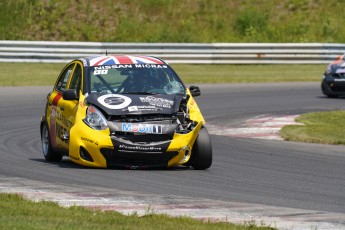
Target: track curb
{"x": 129, "y": 203}
{"x": 260, "y": 127}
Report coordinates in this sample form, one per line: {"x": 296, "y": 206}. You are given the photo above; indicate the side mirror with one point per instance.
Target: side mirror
{"x": 194, "y": 90}
{"x": 70, "y": 95}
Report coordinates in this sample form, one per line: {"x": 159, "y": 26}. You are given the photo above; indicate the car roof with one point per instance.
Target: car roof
{"x": 120, "y": 60}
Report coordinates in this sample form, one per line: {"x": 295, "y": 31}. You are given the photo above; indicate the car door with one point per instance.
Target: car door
{"x": 62, "y": 111}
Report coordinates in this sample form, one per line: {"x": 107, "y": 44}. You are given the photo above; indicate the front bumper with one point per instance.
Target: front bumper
{"x": 98, "y": 148}
{"x": 331, "y": 86}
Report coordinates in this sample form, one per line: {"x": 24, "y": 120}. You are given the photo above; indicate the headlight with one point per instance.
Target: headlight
{"x": 95, "y": 119}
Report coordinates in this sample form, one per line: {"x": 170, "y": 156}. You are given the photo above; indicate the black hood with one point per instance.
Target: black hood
{"x": 136, "y": 104}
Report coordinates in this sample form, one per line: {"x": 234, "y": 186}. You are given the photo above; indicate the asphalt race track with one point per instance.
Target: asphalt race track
{"x": 267, "y": 172}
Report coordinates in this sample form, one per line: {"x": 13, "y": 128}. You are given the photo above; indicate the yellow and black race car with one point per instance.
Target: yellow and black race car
{"x": 124, "y": 111}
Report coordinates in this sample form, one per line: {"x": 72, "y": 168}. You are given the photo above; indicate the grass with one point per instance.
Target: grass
{"x": 29, "y": 74}
{"x": 19, "y": 213}
{"x": 319, "y": 127}
{"x": 165, "y": 21}
{"x": 41, "y": 74}
{"x": 173, "y": 20}
{"x": 249, "y": 73}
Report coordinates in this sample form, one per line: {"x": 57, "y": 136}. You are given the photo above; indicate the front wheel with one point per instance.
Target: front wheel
{"x": 326, "y": 91}
{"x": 202, "y": 151}
{"x": 47, "y": 148}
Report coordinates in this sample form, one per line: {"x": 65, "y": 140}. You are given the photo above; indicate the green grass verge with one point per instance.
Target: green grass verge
{"x": 249, "y": 73}
{"x": 39, "y": 74}
{"x": 319, "y": 127}
{"x": 19, "y": 213}
{"x": 29, "y": 74}
{"x": 173, "y": 21}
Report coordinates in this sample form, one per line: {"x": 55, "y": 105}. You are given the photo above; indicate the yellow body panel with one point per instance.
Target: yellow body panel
{"x": 93, "y": 140}
{"x": 90, "y": 139}
{"x": 69, "y": 132}
{"x": 181, "y": 142}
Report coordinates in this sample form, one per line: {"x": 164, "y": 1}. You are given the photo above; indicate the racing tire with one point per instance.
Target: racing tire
{"x": 202, "y": 151}
{"x": 324, "y": 91}
{"x": 47, "y": 149}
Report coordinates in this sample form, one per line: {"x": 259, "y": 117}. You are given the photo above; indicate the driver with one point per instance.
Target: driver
{"x": 139, "y": 81}
{"x": 143, "y": 80}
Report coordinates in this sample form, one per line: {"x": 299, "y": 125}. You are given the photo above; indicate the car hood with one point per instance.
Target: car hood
{"x": 123, "y": 104}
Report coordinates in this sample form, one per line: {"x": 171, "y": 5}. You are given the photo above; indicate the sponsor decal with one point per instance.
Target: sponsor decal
{"x": 143, "y": 108}
{"x": 60, "y": 131}
{"x": 104, "y": 69}
{"x": 89, "y": 140}
{"x": 153, "y": 66}
{"x": 107, "y": 67}
{"x": 52, "y": 130}
{"x": 53, "y": 113}
{"x": 65, "y": 121}
{"x": 139, "y": 148}
{"x": 142, "y": 128}
{"x": 83, "y": 60}
{"x": 74, "y": 158}
{"x": 133, "y": 109}
{"x": 114, "y": 101}
{"x": 156, "y": 101}
{"x": 339, "y": 79}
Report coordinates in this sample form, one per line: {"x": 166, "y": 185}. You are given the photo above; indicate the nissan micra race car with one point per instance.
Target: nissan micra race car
{"x": 333, "y": 81}
{"x": 124, "y": 111}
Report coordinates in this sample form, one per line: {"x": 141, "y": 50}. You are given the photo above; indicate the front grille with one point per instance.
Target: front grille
{"x": 137, "y": 159}
{"x": 337, "y": 86}
{"x": 141, "y": 137}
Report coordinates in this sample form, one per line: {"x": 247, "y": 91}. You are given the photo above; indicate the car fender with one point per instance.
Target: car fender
{"x": 194, "y": 111}
{"x": 182, "y": 143}
{"x": 91, "y": 140}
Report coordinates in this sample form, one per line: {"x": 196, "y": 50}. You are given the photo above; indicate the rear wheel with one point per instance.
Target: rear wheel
{"x": 48, "y": 152}
{"x": 202, "y": 151}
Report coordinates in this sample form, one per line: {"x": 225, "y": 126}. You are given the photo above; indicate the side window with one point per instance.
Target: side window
{"x": 63, "y": 80}
{"x": 76, "y": 78}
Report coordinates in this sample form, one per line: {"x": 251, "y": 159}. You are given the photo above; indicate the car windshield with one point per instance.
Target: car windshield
{"x": 134, "y": 79}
